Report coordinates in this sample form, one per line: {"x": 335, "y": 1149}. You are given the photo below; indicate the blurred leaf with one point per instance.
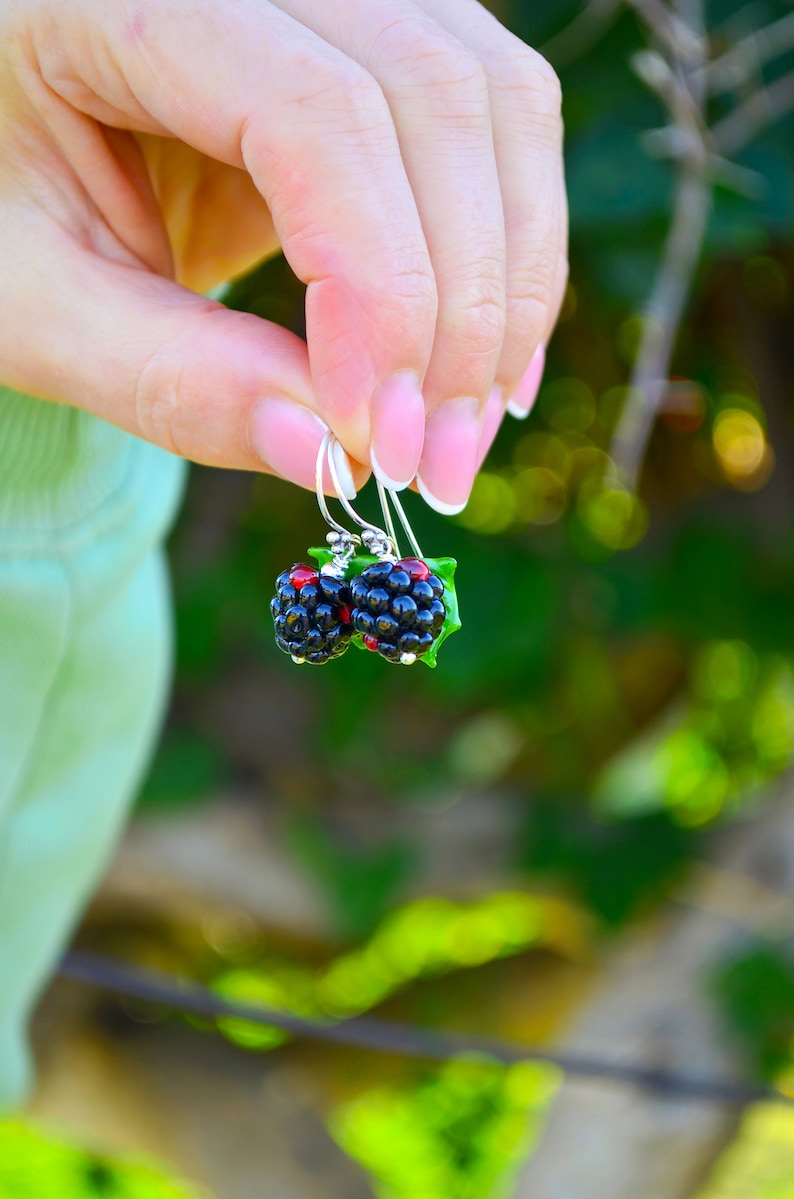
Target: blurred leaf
{"x": 359, "y": 882}
{"x": 186, "y": 768}
{"x": 36, "y": 1164}
{"x": 613, "y": 867}
{"x": 756, "y": 994}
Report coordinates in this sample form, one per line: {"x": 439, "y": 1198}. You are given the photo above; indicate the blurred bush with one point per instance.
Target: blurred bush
{"x": 35, "y": 1163}
{"x": 624, "y": 678}
{"x": 624, "y": 672}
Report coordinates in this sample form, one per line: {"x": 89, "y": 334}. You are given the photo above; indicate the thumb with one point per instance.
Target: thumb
{"x": 219, "y": 387}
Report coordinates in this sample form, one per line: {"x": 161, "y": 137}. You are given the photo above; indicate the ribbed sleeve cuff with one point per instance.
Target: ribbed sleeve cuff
{"x": 57, "y": 464}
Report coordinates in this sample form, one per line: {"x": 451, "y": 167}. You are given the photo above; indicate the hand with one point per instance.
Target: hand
{"x": 405, "y": 156}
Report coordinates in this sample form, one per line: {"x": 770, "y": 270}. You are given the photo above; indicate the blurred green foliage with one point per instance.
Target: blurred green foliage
{"x": 624, "y": 678}
{"x": 459, "y": 1133}
{"x": 425, "y": 939}
{"x": 756, "y": 991}
{"x": 35, "y": 1163}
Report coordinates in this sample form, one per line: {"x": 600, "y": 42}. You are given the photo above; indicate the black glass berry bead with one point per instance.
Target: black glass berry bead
{"x": 389, "y": 651}
{"x": 398, "y": 608}
{"x": 312, "y": 614}
{"x": 424, "y": 622}
{"x": 309, "y": 597}
{"x": 387, "y": 627}
{"x": 399, "y": 582}
{"x": 408, "y": 643}
{"x": 363, "y": 621}
{"x": 378, "y": 600}
{"x": 377, "y": 573}
{"x": 422, "y": 591}
{"x": 405, "y": 610}
{"x": 287, "y": 593}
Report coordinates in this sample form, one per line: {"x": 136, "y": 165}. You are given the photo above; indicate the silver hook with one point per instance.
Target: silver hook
{"x": 374, "y": 538}
{"x": 325, "y": 453}
{"x": 404, "y": 522}
{"x": 382, "y": 543}
{"x": 387, "y": 517}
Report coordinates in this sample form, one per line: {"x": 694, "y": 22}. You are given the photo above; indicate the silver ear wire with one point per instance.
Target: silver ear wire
{"x": 403, "y": 521}
{"x": 379, "y": 542}
{"x": 341, "y": 542}
{"x": 325, "y": 454}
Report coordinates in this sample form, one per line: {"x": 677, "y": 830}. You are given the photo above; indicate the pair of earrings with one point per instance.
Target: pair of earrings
{"x": 362, "y": 591}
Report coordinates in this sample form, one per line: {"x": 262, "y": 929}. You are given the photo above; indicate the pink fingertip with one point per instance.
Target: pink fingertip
{"x": 523, "y": 398}
{"x": 286, "y": 437}
{"x": 398, "y": 429}
{"x": 449, "y": 459}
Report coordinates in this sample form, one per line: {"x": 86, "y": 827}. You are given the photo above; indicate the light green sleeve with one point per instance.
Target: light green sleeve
{"x": 85, "y": 648}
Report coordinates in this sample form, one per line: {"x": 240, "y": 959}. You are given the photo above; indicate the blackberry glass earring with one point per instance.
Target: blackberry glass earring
{"x": 364, "y": 592}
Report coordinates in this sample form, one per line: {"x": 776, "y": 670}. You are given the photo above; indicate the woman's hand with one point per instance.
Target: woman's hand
{"x": 406, "y": 156}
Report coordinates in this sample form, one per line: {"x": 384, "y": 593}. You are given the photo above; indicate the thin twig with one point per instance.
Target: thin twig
{"x": 744, "y": 60}
{"x": 581, "y": 33}
{"x": 406, "y": 1040}
{"x": 765, "y": 106}
{"x": 680, "y": 39}
{"x": 691, "y": 203}
{"x": 662, "y": 318}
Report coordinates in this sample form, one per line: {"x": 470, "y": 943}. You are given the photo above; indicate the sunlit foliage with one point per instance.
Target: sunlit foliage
{"x": 36, "y": 1164}
{"x": 427, "y": 938}
{"x": 459, "y": 1134}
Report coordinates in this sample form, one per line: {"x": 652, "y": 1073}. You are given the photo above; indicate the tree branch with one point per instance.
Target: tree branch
{"x": 768, "y": 104}
{"x": 407, "y": 1040}
{"x": 682, "y": 90}
{"x": 582, "y": 33}
{"x": 744, "y": 60}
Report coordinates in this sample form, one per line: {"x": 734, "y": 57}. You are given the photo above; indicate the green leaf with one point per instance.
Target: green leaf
{"x": 443, "y": 567}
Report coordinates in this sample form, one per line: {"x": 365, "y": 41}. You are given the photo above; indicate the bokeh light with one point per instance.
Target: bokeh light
{"x": 615, "y": 516}
{"x": 741, "y": 448}
{"x": 724, "y": 670}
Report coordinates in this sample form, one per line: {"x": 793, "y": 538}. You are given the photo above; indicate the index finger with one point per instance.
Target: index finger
{"x": 250, "y": 86}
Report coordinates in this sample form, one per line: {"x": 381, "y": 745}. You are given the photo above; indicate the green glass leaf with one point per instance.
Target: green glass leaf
{"x": 443, "y": 567}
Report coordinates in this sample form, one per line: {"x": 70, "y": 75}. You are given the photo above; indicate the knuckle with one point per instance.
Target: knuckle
{"x": 530, "y": 305}
{"x": 448, "y": 65}
{"x": 479, "y": 322}
{"x": 528, "y": 320}
{"x": 358, "y": 97}
{"x": 527, "y": 74}
{"x": 335, "y": 90}
{"x": 429, "y": 58}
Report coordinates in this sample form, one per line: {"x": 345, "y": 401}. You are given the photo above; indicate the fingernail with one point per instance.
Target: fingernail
{"x": 286, "y": 437}
{"x": 491, "y": 423}
{"x": 523, "y": 398}
{"x": 449, "y": 460}
{"x": 398, "y": 429}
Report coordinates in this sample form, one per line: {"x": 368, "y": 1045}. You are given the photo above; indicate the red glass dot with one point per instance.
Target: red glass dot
{"x": 345, "y": 615}
{"x": 299, "y": 576}
{"x": 371, "y": 643}
{"x": 415, "y": 568}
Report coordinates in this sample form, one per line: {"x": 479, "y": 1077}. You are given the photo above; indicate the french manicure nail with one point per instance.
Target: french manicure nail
{"x": 449, "y": 460}
{"x": 491, "y": 423}
{"x": 286, "y": 436}
{"x": 523, "y": 398}
{"x": 398, "y": 429}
